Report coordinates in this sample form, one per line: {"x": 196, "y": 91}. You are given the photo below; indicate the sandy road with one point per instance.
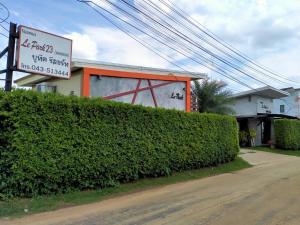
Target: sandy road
{"x": 268, "y": 193}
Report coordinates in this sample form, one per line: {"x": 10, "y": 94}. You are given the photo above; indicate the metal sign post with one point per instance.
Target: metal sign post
{"x": 10, "y": 50}
{"x": 10, "y": 56}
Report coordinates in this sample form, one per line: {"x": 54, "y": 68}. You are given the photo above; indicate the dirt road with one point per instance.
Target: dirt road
{"x": 268, "y": 193}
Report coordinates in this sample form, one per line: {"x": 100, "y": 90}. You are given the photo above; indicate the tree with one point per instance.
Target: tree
{"x": 212, "y": 97}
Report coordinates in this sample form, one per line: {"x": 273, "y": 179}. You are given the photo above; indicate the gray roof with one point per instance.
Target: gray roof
{"x": 290, "y": 89}
{"x": 80, "y": 63}
{"x": 267, "y": 92}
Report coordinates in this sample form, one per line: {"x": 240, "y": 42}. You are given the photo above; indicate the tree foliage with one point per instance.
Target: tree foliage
{"x": 212, "y": 97}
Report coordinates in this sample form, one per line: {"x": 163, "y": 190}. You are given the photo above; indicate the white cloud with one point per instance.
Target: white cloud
{"x": 111, "y": 45}
{"x": 266, "y": 30}
{"x": 284, "y": 62}
{"x": 262, "y": 29}
{"x": 102, "y": 4}
{"x": 166, "y": 5}
{"x": 83, "y": 46}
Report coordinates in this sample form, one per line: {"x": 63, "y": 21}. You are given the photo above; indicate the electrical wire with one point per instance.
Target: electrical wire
{"x": 125, "y": 21}
{"x": 198, "y": 36}
{"x": 175, "y": 31}
{"x": 148, "y": 46}
{"x": 3, "y": 35}
{"x": 216, "y": 38}
{"x": 167, "y": 37}
{"x": 4, "y": 27}
{"x": 8, "y": 13}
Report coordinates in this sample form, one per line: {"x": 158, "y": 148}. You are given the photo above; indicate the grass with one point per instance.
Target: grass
{"x": 17, "y": 207}
{"x": 278, "y": 151}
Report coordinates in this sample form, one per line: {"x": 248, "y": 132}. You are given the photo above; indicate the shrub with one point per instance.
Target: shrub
{"x": 287, "y": 134}
{"x": 252, "y": 136}
{"x": 52, "y": 144}
{"x": 243, "y": 138}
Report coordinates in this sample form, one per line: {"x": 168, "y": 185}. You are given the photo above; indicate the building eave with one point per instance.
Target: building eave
{"x": 266, "y": 115}
{"x": 82, "y": 63}
{"x": 77, "y": 64}
{"x": 267, "y": 92}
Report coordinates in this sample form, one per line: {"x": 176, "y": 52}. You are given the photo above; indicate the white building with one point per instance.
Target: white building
{"x": 254, "y": 110}
{"x": 289, "y": 105}
{"x": 136, "y": 85}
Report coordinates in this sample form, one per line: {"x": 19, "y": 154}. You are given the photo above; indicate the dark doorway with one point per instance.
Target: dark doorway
{"x": 266, "y": 131}
{"x": 243, "y": 132}
{"x": 243, "y": 124}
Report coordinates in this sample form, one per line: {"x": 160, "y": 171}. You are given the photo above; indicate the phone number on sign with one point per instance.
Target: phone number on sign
{"x": 42, "y": 69}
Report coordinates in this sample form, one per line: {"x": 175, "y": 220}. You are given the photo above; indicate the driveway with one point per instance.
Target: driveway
{"x": 268, "y": 193}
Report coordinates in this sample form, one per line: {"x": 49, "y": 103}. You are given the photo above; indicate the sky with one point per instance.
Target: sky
{"x": 268, "y": 31}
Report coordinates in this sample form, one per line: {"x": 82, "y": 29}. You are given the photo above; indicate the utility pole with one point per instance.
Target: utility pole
{"x": 10, "y": 56}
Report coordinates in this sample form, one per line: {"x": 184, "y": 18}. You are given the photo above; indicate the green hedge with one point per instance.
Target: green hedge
{"x": 51, "y": 143}
{"x": 287, "y": 134}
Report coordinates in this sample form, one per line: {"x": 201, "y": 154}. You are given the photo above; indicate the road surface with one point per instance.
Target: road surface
{"x": 266, "y": 194}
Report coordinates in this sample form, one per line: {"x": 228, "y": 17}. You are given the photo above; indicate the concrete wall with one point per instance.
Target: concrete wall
{"x": 66, "y": 87}
{"x": 291, "y": 105}
{"x": 252, "y": 105}
{"x": 103, "y": 86}
{"x": 244, "y": 106}
{"x": 264, "y": 105}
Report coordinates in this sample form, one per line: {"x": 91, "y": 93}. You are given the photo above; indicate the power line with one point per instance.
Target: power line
{"x": 175, "y": 31}
{"x": 3, "y": 35}
{"x": 213, "y": 36}
{"x": 8, "y": 13}
{"x": 225, "y": 61}
{"x": 197, "y": 35}
{"x": 148, "y": 46}
{"x": 4, "y": 27}
{"x": 162, "y": 34}
{"x": 155, "y": 38}
{"x": 143, "y": 44}
{"x": 125, "y": 21}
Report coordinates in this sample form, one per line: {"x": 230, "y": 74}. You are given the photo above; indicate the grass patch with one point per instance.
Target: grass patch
{"x": 278, "y": 151}
{"x": 17, "y": 206}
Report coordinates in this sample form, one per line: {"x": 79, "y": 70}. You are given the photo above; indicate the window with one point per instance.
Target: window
{"x": 281, "y": 108}
{"x": 249, "y": 98}
{"x": 46, "y": 88}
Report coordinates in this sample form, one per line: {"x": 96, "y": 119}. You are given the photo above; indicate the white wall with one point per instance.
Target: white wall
{"x": 264, "y": 105}
{"x": 66, "y": 87}
{"x": 246, "y": 106}
{"x": 291, "y": 105}
{"x": 103, "y": 86}
{"x": 243, "y": 107}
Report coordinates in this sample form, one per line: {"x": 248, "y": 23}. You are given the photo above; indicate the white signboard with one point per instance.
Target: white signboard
{"x": 43, "y": 53}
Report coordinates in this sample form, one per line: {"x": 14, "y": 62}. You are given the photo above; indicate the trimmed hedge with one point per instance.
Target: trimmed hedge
{"x": 287, "y": 134}
{"x": 52, "y": 143}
